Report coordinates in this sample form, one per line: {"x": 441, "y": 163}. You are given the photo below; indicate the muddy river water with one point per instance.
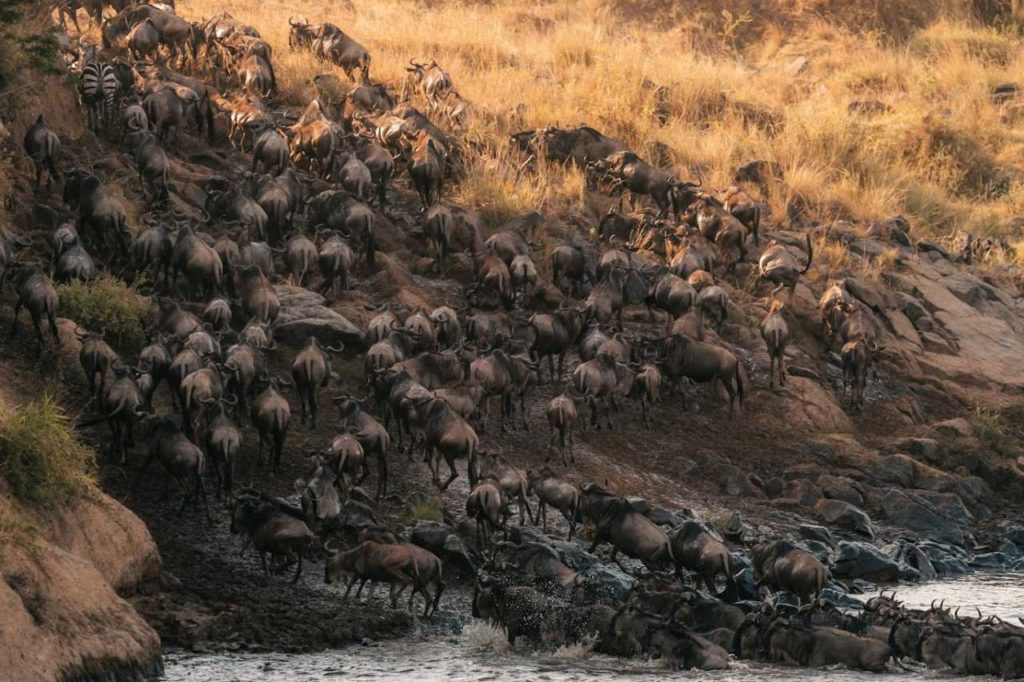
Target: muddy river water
{"x": 480, "y": 653}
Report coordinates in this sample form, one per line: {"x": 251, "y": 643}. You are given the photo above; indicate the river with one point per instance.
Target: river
{"x": 480, "y": 653}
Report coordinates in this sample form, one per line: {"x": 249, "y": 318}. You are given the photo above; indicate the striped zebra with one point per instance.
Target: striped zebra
{"x": 99, "y": 88}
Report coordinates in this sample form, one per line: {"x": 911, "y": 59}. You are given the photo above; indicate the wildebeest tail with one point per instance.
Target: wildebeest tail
{"x": 755, "y": 224}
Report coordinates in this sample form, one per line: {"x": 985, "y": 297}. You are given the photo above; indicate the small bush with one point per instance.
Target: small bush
{"x": 41, "y": 458}
{"x": 425, "y": 508}
{"x": 109, "y": 305}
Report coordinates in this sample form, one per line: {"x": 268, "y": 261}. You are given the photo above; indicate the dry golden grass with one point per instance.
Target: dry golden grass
{"x": 931, "y": 145}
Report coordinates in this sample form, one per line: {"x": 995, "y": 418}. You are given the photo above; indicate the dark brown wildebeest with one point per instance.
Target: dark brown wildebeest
{"x": 402, "y": 565}
{"x": 553, "y": 491}
{"x": 43, "y": 147}
{"x": 695, "y": 549}
{"x": 775, "y": 333}
{"x": 273, "y": 527}
{"x": 783, "y": 566}
{"x": 311, "y": 370}
{"x": 627, "y": 530}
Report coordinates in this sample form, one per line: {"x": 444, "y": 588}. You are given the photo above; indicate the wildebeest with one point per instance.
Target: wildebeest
{"x": 627, "y": 530}
{"x": 273, "y": 528}
{"x": 775, "y": 333}
{"x": 680, "y": 356}
{"x": 271, "y": 416}
{"x": 555, "y": 492}
{"x": 402, "y": 565}
{"x": 427, "y": 166}
{"x": 431, "y": 80}
{"x": 179, "y": 456}
{"x": 36, "y": 293}
{"x": 778, "y": 266}
{"x": 43, "y": 146}
{"x": 695, "y": 549}
{"x": 97, "y": 209}
{"x": 561, "y": 414}
{"x": 311, "y": 370}
{"x": 783, "y": 566}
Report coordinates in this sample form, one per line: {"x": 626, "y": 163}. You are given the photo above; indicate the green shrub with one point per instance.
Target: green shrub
{"x": 41, "y": 458}
{"x": 109, "y": 305}
{"x": 424, "y": 508}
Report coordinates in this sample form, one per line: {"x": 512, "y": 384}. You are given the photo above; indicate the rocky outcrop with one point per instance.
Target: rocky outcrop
{"x": 65, "y": 578}
{"x": 305, "y": 314}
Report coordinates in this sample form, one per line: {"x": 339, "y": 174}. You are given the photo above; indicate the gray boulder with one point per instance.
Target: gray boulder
{"x": 913, "y": 557}
{"x": 845, "y": 516}
{"x": 809, "y": 531}
{"x": 991, "y": 560}
{"x": 446, "y": 544}
{"x": 864, "y": 561}
{"x": 305, "y": 313}
{"x": 933, "y": 516}
{"x": 604, "y": 581}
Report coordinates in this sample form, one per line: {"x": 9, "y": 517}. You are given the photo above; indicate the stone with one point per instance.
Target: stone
{"x": 837, "y": 594}
{"x": 955, "y": 427}
{"x": 662, "y": 517}
{"x": 604, "y": 581}
{"x": 305, "y": 313}
{"x": 734, "y": 528}
{"x": 774, "y": 486}
{"x": 913, "y": 557}
{"x": 990, "y": 560}
{"x": 864, "y": 561}
{"x": 746, "y": 584}
{"x": 921, "y": 448}
{"x": 446, "y": 544}
{"x": 933, "y": 516}
{"x": 946, "y": 559}
{"x": 841, "y": 488}
{"x": 819, "y": 533}
{"x": 844, "y": 515}
{"x": 1016, "y": 536}
{"x": 1010, "y": 549}
{"x": 803, "y": 491}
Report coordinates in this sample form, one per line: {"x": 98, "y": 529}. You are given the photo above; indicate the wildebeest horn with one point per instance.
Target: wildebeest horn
{"x": 330, "y": 550}
{"x": 333, "y": 349}
{"x": 230, "y": 400}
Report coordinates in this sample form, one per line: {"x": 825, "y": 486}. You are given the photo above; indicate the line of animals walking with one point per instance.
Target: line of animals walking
{"x": 304, "y": 211}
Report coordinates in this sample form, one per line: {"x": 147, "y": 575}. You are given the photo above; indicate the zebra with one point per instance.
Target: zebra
{"x": 99, "y": 88}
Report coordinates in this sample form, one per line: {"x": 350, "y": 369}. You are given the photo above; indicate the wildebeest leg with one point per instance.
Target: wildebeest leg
{"x": 14, "y": 321}
{"x": 454, "y": 474}
{"x": 542, "y": 515}
{"x": 37, "y": 324}
{"x": 348, "y": 589}
{"x": 266, "y": 569}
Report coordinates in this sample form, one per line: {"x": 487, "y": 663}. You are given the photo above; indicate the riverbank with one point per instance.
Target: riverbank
{"x": 481, "y": 652}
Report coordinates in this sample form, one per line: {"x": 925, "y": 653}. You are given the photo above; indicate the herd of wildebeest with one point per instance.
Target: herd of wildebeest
{"x": 304, "y": 210}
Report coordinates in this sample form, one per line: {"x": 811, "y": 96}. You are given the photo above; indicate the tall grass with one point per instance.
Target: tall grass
{"x": 730, "y": 82}
{"x": 107, "y": 304}
{"x": 41, "y": 459}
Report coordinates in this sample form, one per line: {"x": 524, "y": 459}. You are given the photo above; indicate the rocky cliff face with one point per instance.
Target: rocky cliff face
{"x": 62, "y": 615}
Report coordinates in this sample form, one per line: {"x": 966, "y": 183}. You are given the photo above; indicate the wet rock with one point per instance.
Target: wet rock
{"x": 746, "y": 583}
{"x": 939, "y": 517}
{"x": 844, "y": 515}
{"x": 1016, "y": 536}
{"x": 913, "y": 557}
{"x": 859, "y": 586}
{"x": 837, "y": 594}
{"x": 604, "y": 581}
{"x": 818, "y": 533}
{"x": 955, "y": 427}
{"x": 946, "y": 559}
{"x": 861, "y": 560}
{"x": 734, "y": 528}
{"x": 1010, "y": 549}
{"x": 305, "y": 313}
{"x": 639, "y": 505}
{"x": 445, "y": 543}
{"x": 819, "y": 549}
{"x": 990, "y": 560}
